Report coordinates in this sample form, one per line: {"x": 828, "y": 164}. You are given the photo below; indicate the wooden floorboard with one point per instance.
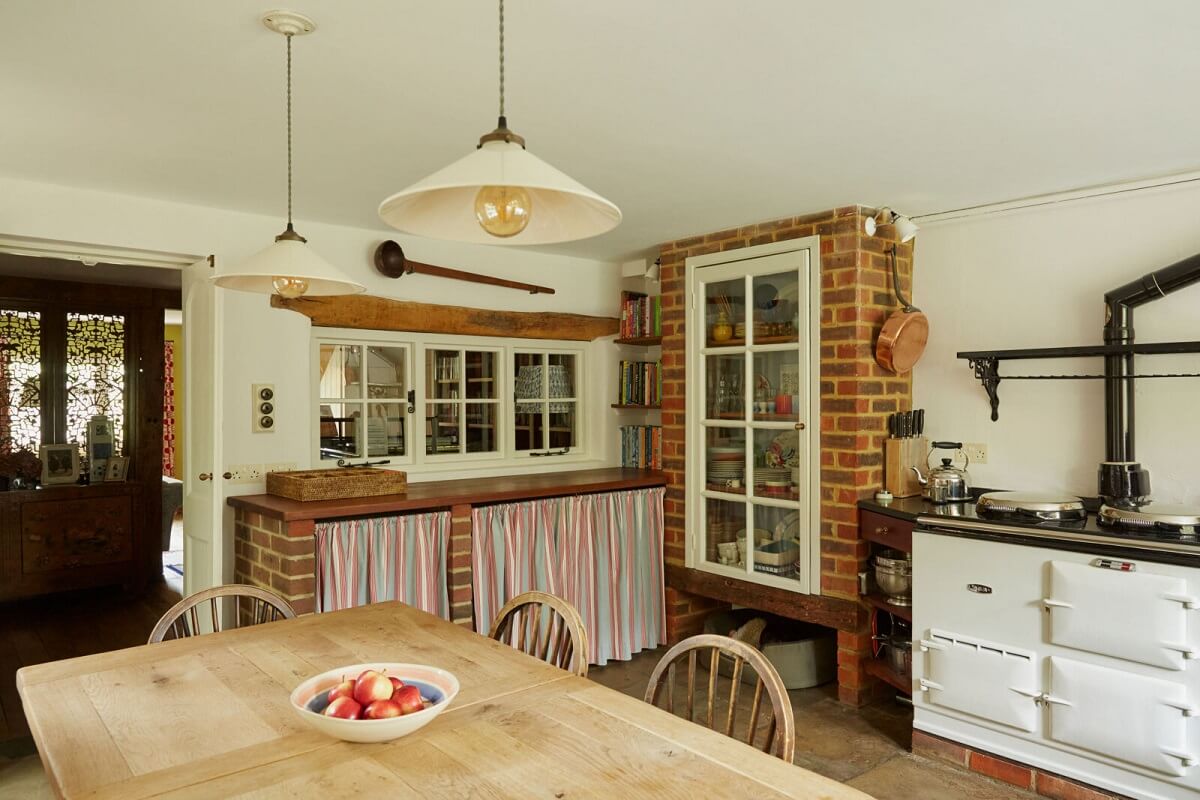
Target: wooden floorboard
{"x": 52, "y": 627}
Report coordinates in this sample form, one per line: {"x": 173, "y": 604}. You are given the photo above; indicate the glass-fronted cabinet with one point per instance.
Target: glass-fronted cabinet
{"x": 752, "y": 471}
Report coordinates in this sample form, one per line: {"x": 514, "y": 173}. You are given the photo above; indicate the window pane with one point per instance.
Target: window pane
{"x": 776, "y": 308}
{"x": 21, "y": 378}
{"x": 340, "y": 371}
{"x": 530, "y": 380}
{"x": 95, "y": 374}
{"x": 724, "y": 526}
{"x": 562, "y": 425}
{"x": 442, "y": 374}
{"x": 724, "y": 395}
{"x": 386, "y": 372}
{"x": 562, "y": 375}
{"x": 530, "y": 426}
{"x": 441, "y": 428}
{"x": 339, "y": 430}
{"x": 481, "y": 375}
{"x": 481, "y": 428}
{"x": 725, "y": 313}
{"x": 385, "y": 429}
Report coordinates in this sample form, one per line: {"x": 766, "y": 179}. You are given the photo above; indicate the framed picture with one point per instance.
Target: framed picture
{"x": 118, "y": 468}
{"x": 60, "y": 463}
{"x": 99, "y": 437}
{"x": 99, "y": 470}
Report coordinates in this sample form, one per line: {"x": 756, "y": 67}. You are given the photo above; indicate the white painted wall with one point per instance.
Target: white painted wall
{"x": 266, "y": 345}
{"x": 1036, "y": 278}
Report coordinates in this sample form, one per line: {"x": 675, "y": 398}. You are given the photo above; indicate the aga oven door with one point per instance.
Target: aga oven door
{"x": 980, "y": 678}
{"x": 1129, "y": 717}
{"x": 1128, "y": 612}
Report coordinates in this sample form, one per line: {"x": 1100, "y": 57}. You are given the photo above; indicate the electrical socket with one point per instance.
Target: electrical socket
{"x": 237, "y": 473}
{"x": 254, "y": 472}
{"x": 976, "y": 451}
{"x": 282, "y": 466}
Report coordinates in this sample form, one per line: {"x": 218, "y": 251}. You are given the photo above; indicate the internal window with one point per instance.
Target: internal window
{"x": 21, "y": 379}
{"x": 546, "y": 401}
{"x": 363, "y": 400}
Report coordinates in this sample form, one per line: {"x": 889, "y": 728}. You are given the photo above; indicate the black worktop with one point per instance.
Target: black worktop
{"x": 961, "y": 519}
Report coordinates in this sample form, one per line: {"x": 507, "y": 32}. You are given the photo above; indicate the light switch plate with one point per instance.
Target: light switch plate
{"x": 262, "y": 407}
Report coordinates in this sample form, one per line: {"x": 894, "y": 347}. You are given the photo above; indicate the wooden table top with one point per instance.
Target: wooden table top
{"x": 209, "y": 717}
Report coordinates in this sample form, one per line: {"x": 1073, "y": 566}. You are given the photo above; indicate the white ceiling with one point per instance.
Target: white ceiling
{"x": 692, "y": 115}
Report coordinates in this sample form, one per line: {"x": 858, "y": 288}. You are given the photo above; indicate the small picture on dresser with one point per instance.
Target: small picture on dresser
{"x": 118, "y": 468}
{"x": 99, "y": 470}
{"x": 60, "y": 463}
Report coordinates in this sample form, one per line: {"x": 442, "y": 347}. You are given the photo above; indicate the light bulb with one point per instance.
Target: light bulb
{"x": 503, "y": 211}
{"x": 289, "y": 288}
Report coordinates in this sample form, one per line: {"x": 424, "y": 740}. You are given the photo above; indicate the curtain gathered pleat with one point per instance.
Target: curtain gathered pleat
{"x": 361, "y": 561}
{"x": 603, "y": 553}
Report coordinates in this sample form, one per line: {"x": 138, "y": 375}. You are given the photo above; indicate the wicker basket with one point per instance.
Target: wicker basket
{"x": 336, "y": 484}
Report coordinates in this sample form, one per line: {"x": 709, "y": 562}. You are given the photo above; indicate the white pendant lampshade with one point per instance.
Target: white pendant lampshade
{"x": 442, "y": 206}
{"x": 288, "y": 267}
{"x": 500, "y": 194}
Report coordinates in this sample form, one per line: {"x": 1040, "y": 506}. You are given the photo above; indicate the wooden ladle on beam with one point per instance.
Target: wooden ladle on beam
{"x": 390, "y": 261}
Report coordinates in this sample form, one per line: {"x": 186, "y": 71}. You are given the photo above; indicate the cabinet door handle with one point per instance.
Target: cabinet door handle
{"x": 205, "y": 476}
{"x": 800, "y": 426}
{"x": 883, "y": 530}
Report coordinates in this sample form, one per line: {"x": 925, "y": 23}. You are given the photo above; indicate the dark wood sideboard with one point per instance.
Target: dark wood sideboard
{"x": 70, "y": 537}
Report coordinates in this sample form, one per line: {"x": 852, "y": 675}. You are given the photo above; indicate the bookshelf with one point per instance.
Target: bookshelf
{"x": 639, "y": 374}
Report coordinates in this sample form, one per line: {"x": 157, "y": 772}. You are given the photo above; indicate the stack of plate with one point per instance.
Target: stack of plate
{"x": 776, "y": 476}
{"x": 726, "y": 453}
{"x": 721, "y": 471}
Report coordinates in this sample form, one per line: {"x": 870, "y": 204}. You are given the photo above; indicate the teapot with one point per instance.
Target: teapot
{"x": 945, "y": 483}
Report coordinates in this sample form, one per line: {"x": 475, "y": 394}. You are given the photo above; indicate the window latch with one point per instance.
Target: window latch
{"x": 412, "y": 400}
{"x": 562, "y": 452}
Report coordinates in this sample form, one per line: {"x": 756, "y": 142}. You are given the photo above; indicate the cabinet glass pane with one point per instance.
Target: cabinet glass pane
{"x": 443, "y": 372}
{"x": 339, "y": 430}
{"x": 481, "y": 375}
{"x": 724, "y": 392}
{"x": 441, "y": 428}
{"x": 386, "y": 372}
{"x": 776, "y": 468}
{"x": 777, "y": 537}
{"x": 777, "y": 385}
{"x": 776, "y": 307}
{"x": 562, "y": 425}
{"x": 385, "y": 429}
{"x": 340, "y": 367}
{"x": 481, "y": 428}
{"x": 725, "y": 313}
{"x": 725, "y": 454}
{"x": 724, "y": 525}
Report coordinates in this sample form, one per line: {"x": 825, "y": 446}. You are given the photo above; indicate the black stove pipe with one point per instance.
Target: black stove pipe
{"x": 1118, "y": 329}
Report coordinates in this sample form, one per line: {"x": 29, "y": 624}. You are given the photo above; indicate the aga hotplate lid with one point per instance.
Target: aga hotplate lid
{"x": 1038, "y": 505}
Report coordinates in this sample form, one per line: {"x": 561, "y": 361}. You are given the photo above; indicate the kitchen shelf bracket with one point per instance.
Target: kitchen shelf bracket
{"x": 987, "y": 372}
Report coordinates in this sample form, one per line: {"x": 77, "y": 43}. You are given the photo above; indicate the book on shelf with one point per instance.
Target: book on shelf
{"x": 641, "y": 315}
{"x": 641, "y": 446}
{"x": 640, "y": 383}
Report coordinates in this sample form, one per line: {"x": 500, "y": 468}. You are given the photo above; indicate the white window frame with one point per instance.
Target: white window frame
{"x": 364, "y": 401}
{"x": 424, "y": 402}
{"x": 506, "y": 349}
{"x": 544, "y": 399}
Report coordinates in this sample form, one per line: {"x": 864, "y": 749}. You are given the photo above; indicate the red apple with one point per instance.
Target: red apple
{"x": 344, "y": 708}
{"x": 382, "y": 709}
{"x": 372, "y": 686}
{"x": 409, "y": 699}
{"x": 396, "y": 683}
{"x": 343, "y": 689}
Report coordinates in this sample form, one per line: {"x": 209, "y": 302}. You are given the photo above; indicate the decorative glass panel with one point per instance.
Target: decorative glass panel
{"x": 95, "y": 374}
{"x": 21, "y": 379}
{"x": 341, "y": 365}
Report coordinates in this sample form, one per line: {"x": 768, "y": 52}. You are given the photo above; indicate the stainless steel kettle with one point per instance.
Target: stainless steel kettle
{"x": 946, "y": 483}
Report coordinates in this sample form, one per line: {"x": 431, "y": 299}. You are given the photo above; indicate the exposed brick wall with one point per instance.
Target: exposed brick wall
{"x": 856, "y": 397}
{"x": 276, "y": 556}
{"x": 458, "y": 572}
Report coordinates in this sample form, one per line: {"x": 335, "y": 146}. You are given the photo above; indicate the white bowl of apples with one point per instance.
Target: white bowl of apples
{"x": 374, "y": 702}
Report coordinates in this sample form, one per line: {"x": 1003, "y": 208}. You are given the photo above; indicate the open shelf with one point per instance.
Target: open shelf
{"x": 641, "y": 341}
{"x": 881, "y": 669}
{"x": 880, "y": 601}
{"x": 630, "y": 406}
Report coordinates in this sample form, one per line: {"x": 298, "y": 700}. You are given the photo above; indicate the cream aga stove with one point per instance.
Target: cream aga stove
{"x": 1063, "y": 645}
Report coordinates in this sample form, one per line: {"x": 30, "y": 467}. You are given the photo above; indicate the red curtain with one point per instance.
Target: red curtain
{"x": 168, "y": 462}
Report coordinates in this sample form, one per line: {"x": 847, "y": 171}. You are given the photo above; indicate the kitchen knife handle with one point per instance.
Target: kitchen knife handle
{"x": 920, "y": 421}
{"x": 892, "y": 425}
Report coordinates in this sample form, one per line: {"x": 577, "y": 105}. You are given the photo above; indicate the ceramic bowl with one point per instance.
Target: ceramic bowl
{"x": 437, "y": 686}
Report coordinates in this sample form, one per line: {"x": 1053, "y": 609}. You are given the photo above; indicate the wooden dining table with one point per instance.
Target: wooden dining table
{"x": 209, "y": 717}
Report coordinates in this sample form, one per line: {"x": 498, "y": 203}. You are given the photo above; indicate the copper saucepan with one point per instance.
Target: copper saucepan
{"x": 902, "y": 340}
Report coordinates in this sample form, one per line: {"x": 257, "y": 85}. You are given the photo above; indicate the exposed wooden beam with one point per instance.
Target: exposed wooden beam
{"x": 382, "y": 314}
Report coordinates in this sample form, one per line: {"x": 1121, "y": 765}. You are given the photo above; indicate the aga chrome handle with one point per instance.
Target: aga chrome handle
{"x": 1188, "y": 760}
{"x": 1187, "y": 709}
{"x": 1050, "y": 602}
{"x": 927, "y": 645}
{"x": 927, "y": 684}
{"x": 1055, "y": 701}
{"x": 1187, "y": 600}
{"x": 1186, "y": 649}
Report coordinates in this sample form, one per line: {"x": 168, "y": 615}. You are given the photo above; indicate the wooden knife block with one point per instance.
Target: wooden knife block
{"x": 899, "y": 456}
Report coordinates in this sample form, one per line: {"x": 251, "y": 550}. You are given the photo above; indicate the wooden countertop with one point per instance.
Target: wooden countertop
{"x": 209, "y": 716}
{"x": 442, "y": 494}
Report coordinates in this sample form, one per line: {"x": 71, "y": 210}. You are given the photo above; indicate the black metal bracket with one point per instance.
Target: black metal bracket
{"x": 987, "y": 372}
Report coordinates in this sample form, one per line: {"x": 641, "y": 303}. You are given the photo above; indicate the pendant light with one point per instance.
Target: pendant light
{"x": 288, "y": 267}
{"x": 500, "y": 194}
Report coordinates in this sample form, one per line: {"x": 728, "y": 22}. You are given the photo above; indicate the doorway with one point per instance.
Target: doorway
{"x": 174, "y": 445}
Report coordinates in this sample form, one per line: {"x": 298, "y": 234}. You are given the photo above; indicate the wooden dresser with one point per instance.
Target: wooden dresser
{"x": 69, "y": 537}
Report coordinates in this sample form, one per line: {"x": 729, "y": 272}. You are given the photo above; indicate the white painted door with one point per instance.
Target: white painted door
{"x": 203, "y": 495}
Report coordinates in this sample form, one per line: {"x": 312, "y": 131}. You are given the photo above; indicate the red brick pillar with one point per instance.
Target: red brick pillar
{"x": 458, "y": 567}
{"x": 280, "y": 557}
